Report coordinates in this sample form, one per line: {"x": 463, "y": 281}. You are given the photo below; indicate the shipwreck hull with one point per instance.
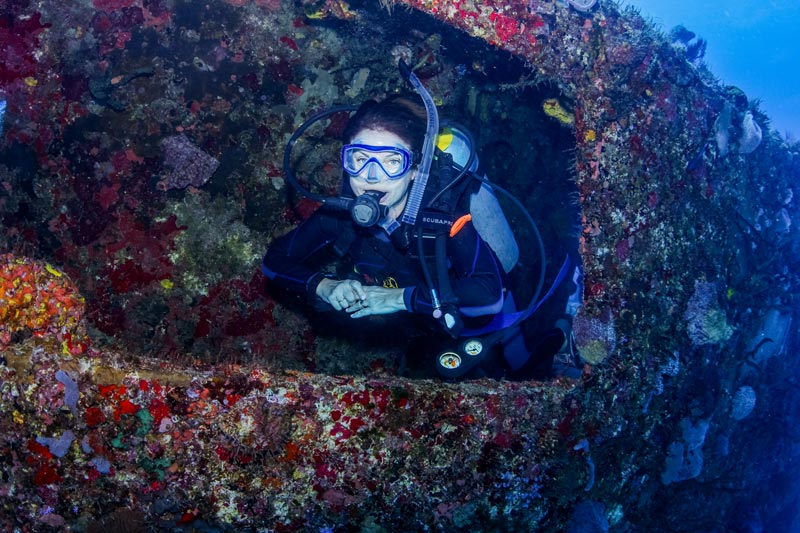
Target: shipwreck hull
{"x": 690, "y": 297}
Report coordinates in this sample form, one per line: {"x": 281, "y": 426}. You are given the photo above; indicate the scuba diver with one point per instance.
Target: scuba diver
{"x": 407, "y": 202}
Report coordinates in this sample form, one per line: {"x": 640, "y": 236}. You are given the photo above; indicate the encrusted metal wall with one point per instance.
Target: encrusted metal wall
{"x": 686, "y": 237}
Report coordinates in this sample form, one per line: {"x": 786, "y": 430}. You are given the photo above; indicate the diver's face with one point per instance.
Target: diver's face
{"x": 393, "y": 192}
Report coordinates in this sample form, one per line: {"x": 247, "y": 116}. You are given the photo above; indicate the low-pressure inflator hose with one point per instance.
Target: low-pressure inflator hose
{"x": 334, "y": 202}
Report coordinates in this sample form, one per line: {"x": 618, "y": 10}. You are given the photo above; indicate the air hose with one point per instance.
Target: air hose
{"x": 332, "y": 201}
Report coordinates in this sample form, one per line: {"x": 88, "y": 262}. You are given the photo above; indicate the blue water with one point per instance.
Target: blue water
{"x": 751, "y": 44}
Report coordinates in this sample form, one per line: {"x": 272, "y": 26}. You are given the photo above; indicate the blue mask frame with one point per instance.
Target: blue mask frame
{"x": 354, "y": 167}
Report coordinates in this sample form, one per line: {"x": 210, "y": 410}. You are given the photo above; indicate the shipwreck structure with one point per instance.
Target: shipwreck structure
{"x": 149, "y": 381}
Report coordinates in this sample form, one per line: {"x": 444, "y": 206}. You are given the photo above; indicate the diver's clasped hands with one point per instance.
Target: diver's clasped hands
{"x": 359, "y": 300}
{"x": 343, "y": 294}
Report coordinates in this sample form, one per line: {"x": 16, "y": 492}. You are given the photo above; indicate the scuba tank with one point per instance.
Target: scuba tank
{"x": 487, "y": 215}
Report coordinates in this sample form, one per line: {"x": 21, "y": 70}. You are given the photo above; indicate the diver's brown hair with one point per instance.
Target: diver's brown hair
{"x": 396, "y": 114}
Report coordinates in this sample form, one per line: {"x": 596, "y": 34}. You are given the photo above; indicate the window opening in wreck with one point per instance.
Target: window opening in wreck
{"x": 523, "y": 128}
{"x": 165, "y": 249}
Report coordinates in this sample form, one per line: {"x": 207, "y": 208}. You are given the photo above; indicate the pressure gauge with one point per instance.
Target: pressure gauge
{"x": 473, "y": 347}
{"x": 449, "y": 360}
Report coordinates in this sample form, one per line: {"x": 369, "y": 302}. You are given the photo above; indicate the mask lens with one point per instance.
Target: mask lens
{"x": 393, "y": 162}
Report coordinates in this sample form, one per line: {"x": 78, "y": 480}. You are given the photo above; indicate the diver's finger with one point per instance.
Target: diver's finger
{"x": 344, "y": 299}
{"x": 358, "y": 289}
{"x": 359, "y": 309}
{"x": 356, "y": 306}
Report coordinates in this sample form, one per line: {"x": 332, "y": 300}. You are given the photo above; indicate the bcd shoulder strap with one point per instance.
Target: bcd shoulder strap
{"x": 442, "y": 209}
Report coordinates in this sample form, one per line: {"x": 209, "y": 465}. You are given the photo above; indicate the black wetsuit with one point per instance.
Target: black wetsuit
{"x": 475, "y": 274}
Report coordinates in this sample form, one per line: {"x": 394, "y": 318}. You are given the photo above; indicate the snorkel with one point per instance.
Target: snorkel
{"x": 429, "y": 146}
{"x": 443, "y": 311}
{"x": 366, "y": 210}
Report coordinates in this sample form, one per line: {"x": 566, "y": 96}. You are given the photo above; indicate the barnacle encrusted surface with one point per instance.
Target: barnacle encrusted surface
{"x": 187, "y": 415}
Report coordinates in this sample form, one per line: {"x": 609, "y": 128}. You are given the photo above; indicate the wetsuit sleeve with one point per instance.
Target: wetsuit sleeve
{"x": 475, "y": 276}
{"x": 287, "y": 262}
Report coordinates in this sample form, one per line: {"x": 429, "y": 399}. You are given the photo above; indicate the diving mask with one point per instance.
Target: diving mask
{"x": 392, "y": 161}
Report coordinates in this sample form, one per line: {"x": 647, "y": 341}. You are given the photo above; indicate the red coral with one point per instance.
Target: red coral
{"x": 125, "y": 407}
{"x": 564, "y": 427}
{"x": 505, "y": 439}
{"x": 323, "y": 469}
{"x": 188, "y": 517}
{"x": 130, "y": 276}
{"x": 112, "y": 391}
{"x": 356, "y": 424}
{"x": 292, "y": 452}
{"x": 159, "y": 410}
{"x": 18, "y": 43}
{"x": 381, "y": 399}
{"x": 108, "y": 196}
{"x": 94, "y": 417}
{"x": 223, "y": 453}
{"x": 39, "y": 449}
{"x": 93, "y": 475}
{"x": 148, "y": 249}
{"x": 288, "y": 41}
{"x": 111, "y": 5}
{"x": 362, "y": 397}
{"x": 242, "y": 324}
{"x": 505, "y": 27}
{"x": 295, "y": 90}
{"x": 340, "y": 432}
{"x": 203, "y": 326}
{"x": 47, "y": 475}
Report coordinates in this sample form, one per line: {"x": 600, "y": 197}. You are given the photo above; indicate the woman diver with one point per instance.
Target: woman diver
{"x": 383, "y": 147}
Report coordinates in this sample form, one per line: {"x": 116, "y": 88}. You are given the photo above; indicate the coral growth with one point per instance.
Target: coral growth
{"x": 40, "y": 300}
{"x": 743, "y": 403}
{"x": 188, "y": 164}
{"x": 215, "y": 245}
{"x": 665, "y": 165}
{"x": 595, "y": 337}
{"x": 751, "y": 134}
{"x": 705, "y": 320}
{"x": 553, "y": 108}
{"x": 248, "y": 450}
{"x": 685, "y": 455}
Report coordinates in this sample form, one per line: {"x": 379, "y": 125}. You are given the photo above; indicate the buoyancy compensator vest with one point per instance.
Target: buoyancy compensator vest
{"x": 487, "y": 215}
